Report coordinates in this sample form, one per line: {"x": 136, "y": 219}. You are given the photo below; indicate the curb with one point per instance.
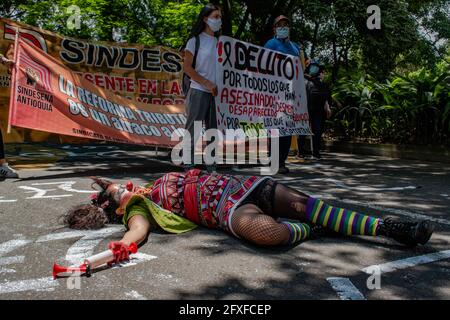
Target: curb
{"x": 411, "y": 152}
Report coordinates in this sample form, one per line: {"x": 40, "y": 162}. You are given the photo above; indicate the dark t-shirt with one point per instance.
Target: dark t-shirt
{"x": 317, "y": 94}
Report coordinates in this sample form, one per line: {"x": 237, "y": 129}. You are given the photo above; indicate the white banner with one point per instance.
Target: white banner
{"x": 258, "y": 89}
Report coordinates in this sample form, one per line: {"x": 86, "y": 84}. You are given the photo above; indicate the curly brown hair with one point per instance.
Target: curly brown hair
{"x": 96, "y": 215}
{"x": 85, "y": 216}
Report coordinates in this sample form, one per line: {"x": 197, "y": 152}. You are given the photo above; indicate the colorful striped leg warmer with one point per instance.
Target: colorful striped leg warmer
{"x": 297, "y": 231}
{"x": 341, "y": 220}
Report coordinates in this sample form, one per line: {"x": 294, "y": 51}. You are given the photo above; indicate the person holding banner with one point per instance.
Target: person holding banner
{"x": 200, "y": 67}
{"x": 5, "y": 170}
{"x": 281, "y": 43}
{"x": 248, "y": 207}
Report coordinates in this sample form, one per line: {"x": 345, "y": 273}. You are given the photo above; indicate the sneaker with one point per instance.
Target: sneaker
{"x": 7, "y": 172}
{"x": 407, "y": 232}
{"x": 316, "y": 157}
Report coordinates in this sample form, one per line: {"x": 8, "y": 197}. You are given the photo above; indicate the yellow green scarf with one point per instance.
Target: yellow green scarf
{"x": 168, "y": 221}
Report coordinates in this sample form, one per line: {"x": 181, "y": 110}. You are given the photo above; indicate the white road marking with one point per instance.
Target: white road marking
{"x": 135, "y": 258}
{"x": 77, "y": 233}
{"x": 46, "y": 290}
{"x": 11, "y": 245}
{"x": 345, "y": 289}
{"x": 356, "y": 188}
{"x": 7, "y": 247}
{"x": 64, "y": 185}
{"x": 409, "y": 262}
{"x": 1, "y": 200}
{"x": 41, "y": 193}
{"x": 26, "y": 285}
{"x": 11, "y": 260}
{"x": 7, "y": 270}
{"x": 135, "y": 295}
{"x": 62, "y": 235}
{"x": 84, "y": 247}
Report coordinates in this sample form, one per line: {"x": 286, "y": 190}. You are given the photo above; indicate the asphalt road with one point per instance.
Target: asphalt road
{"x": 209, "y": 264}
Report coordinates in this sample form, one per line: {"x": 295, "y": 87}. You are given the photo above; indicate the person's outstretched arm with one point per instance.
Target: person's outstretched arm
{"x": 139, "y": 227}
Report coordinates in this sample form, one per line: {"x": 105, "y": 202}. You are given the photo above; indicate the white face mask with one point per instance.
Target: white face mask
{"x": 282, "y": 32}
{"x": 214, "y": 24}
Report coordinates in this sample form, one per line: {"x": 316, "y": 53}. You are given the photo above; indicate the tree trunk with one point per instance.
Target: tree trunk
{"x": 226, "y": 18}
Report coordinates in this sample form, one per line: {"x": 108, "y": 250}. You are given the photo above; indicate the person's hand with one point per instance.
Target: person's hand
{"x": 211, "y": 87}
{"x": 120, "y": 250}
{"x": 5, "y": 61}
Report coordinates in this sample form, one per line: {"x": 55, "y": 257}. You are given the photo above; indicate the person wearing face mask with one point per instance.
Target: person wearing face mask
{"x": 281, "y": 42}
{"x": 199, "y": 66}
{"x": 319, "y": 100}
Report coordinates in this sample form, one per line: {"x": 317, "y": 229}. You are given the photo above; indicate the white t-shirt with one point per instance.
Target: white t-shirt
{"x": 206, "y": 58}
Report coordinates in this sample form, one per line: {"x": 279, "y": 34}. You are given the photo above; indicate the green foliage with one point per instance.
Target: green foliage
{"x": 392, "y": 83}
{"x": 408, "y": 109}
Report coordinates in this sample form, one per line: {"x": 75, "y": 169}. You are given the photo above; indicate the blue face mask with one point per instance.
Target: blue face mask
{"x": 282, "y": 32}
{"x": 214, "y": 24}
{"x": 313, "y": 70}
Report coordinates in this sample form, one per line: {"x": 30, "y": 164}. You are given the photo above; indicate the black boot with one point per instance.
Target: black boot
{"x": 317, "y": 231}
{"x": 407, "y": 232}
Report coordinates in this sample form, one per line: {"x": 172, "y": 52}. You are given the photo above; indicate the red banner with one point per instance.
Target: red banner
{"x": 47, "y": 96}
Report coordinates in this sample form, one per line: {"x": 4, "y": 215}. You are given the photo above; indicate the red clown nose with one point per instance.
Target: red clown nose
{"x": 130, "y": 186}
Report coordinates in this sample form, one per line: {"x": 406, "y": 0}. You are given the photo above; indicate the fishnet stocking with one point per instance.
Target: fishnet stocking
{"x": 251, "y": 224}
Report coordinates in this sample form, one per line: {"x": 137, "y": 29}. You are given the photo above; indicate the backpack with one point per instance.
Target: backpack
{"x": 186, "y": 85}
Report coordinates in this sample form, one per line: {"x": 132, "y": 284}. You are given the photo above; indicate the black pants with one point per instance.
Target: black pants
{"x": 2, "y": 147}
{"x": 317, "y": 125}
{"x": 284, "y": 147}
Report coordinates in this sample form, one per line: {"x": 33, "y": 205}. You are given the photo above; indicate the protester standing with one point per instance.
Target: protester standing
{"x": 199, "y": 66}
{"x": 319, "y": 101}
{"x": 281, "y": 42}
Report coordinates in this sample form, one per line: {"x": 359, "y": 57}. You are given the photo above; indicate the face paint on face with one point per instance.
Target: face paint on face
{"x": 121, "y": 195}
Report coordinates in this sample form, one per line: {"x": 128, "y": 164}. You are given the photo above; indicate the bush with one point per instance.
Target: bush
{"x": 414, "y": 108}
